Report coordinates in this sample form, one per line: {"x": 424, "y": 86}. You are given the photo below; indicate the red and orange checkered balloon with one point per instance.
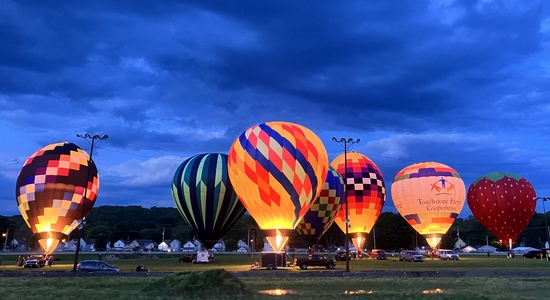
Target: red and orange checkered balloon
{"x": 277, "y": 169}
{"x": 366, "y": 194}
{"x": 429, "y": 195}
{"x": 50, "y": 191}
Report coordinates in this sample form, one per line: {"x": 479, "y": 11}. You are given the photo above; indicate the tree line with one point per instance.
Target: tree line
{"x": 112, "y": 223}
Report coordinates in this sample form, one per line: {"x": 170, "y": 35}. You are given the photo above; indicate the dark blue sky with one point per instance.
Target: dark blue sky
{"x": 465, "y": 83}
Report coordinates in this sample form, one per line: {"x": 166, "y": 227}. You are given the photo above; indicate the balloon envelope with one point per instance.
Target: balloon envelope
{"x": 50, "y": 191}
{"x": 429, "y": 195}
{"x": 321, "y": 214}
{"x": 366, "y": 194}
{"x": 205, "y": 198}
{"x": 503, "y": 203}
{"x": 277, "y": 169}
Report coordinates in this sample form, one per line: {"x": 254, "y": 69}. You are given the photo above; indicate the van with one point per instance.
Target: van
{"x": 446, "y": 254}
{"x": 411, "y": 255}
{"x": 378, "y": 254}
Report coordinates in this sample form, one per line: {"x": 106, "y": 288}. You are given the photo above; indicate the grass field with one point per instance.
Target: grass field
{"x": 279, "y": 284}
{"x": 240, "y": 262}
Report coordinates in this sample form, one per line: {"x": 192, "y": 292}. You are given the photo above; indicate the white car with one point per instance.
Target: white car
{"x": 448, "y": 254}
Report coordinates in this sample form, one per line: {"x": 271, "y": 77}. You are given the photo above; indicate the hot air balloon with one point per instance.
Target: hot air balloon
{"x": 503, "y": 203}
{"x": 205, "y": 198}
{"x": 50, "y": 191}
{"x": 321, "y": 214}
{"x": 366, "y": 194}
{"x": 277, "y": 170}
{"x": 429, "y": 195}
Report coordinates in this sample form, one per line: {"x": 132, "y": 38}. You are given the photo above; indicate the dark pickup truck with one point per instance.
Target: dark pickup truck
{"x": 315, "y": 260}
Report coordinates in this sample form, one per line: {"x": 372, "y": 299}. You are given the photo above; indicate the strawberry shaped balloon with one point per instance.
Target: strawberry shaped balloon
{"x": 503, "y": 203}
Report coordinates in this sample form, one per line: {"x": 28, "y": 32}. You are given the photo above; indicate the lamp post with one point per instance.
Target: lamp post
{"x": 91, "y": 139}
{"x": 5, "y": 234}
{"x": 345, "y": 143}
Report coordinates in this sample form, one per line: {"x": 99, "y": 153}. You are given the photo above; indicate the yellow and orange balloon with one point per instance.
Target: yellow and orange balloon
{"x": 366, "y": 194}
{"x": 56, "y": 187}
{"x": 429, "y": 195}
{"x": 277, "y": 170}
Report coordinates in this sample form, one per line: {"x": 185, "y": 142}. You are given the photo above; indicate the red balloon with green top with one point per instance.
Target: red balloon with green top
{"x": 503, "y": 203}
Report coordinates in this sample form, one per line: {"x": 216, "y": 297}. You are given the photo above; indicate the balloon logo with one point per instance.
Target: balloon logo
{"x": 429, "y": 196}
{"x": 366, "y": 194}
{"x": 205, "y": 198}
{"x": 277, "y": 170}
{"x": 503, "y": 203}
{"x": 324, "y": 209}
{"x": 50, "y": 191}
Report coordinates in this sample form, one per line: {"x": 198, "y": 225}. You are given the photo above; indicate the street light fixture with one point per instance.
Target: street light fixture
{"x": 5, "y": 235}
{"x": 345, "y": 143}
{"x": 90, "y": 139}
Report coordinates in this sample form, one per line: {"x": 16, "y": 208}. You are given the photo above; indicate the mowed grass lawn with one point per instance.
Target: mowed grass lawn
{"x": 241, "y": 262}
{"x": 283, "y": 287}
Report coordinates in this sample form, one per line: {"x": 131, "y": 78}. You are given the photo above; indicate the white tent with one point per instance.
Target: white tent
{"x": 469, "y": 249}
{"x": 521, "y": 250}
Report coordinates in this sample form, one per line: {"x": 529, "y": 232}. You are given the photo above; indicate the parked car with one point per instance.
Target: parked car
{"x": 534, "y": 254}
{"x": 315, "y": 260}
{"x": 96, "y": 265}
{"x": 341, "y": 255}
{"x": 447, "y": 254}
{"x": 191, "y": 257}
{"x": 411, "y": 255}
{"x": 378, "y": 254}
{"x": 35, "y": 261}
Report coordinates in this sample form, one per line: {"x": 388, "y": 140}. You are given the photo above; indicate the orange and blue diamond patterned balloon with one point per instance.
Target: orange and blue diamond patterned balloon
{"x": 366, "y": 194}
{"x": 205, "y": 198}
{"x": 277, "y": 170}
{"x": 429, "y": 195}
{"x": 321, "y": 214}
{"x": 50, "y": 191}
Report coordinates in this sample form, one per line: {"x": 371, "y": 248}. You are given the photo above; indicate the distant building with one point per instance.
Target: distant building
{"x": 163, "y": 246}
{"x": 120, "y": 245}
{"x": 219, "y": 246}
{"x": 242, "y": 244}
{"x": 469, "y": 249}
{"x": 459, "y": 244}
{"x": 151, "y": 246}
{"x": 189, "y": 247}
{"x": 140, "y": 245}
{"x": 485, "y": 249}
{"x": 175, "y": 245}
{"x": 18, "y": 244}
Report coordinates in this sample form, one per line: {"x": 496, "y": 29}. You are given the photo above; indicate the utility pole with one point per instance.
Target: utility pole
{"x": 6, "y": 238}
{"x": 374, "y": 237}
{"x": 345, "y": 143}
{"x": 544, "y": 199}
{"x": 91, "y": 139}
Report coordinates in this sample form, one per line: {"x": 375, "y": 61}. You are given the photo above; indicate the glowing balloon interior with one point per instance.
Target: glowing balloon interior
{"x": 50, "y": 191}
{"x": 504, "y": 203}
{"x": 277, "y": 169}
{"x": 366, "y": 194}
{"x": 205, "y": 198}
{"x": 324, "y": 209}
{"x": 429, "y": 196}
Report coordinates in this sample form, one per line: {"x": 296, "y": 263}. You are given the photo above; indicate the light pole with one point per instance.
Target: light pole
{"x": 5, "y": 234}
{"x": 345, "y": 143}
{"x": 544, "y": 199}
{"x": 91, "y": 139}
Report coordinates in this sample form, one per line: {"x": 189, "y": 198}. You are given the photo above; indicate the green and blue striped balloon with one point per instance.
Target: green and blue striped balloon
{"x": 205, "y": 197}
